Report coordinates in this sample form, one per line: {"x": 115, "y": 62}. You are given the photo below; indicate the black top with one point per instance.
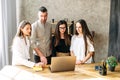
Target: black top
{"x": 61, "y": 47}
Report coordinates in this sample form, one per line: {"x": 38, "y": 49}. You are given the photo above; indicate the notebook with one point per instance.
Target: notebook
{"x": 64, "y": 63}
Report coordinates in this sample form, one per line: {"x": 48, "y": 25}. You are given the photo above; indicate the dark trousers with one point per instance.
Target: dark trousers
{"x": 37, "y": 59}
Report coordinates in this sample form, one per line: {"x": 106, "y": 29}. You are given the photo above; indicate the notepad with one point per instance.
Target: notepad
{"x": 37, "y": 68}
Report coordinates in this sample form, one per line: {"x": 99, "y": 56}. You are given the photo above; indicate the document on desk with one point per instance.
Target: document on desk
{"x": 37, "y": 68}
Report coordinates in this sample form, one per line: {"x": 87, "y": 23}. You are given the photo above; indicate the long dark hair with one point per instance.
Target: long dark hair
{"x": 86, "y": 32}
{"x": 57, "y": 33}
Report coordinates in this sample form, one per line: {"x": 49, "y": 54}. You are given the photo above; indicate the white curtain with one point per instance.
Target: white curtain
{"x": 7, "y": 30}
{"x": 1, "y": 36}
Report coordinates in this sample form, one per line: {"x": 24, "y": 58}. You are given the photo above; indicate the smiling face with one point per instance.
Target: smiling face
{"x": 42, "y": 16}
{"x": 26, "y": 30}
{"x": 62, "y": 28}
{"x": 78, "y": 28}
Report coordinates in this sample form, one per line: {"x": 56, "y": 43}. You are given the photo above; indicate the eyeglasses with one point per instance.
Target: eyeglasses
{"x": 78, "y": 27}
{"x": 62, "y": 27}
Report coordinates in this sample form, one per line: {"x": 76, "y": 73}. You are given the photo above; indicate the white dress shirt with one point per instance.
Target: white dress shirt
{"x": 20, "y": 51}
{"x": 78, "y": 47}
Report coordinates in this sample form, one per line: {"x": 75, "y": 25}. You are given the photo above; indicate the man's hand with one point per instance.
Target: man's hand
{"x": 40, "y": 64}
{"x": 43, "y": 60}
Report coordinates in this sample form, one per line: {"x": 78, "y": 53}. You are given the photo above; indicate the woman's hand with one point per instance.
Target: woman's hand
{"x": 79, "y": 62}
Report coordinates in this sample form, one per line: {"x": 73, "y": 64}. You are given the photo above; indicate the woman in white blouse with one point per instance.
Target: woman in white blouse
{"x": 21, "y": 44}
{"x": 82, "y": 43}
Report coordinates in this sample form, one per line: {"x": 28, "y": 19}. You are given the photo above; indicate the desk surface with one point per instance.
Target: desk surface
{"x": 85, "y": 72}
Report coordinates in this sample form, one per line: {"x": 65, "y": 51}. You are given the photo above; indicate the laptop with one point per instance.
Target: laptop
{"x": 64, "y": 63}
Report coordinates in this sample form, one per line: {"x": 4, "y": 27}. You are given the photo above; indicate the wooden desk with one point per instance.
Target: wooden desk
{"x": 85, "y": 72}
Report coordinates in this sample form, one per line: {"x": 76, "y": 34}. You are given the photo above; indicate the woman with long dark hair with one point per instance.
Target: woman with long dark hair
{"x": 82, "y": 43}
{"x": 61, "y": 40}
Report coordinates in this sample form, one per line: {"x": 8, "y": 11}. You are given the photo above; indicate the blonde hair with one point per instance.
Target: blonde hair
{"x": 19, "y": 32}
{"x": 21, "y": 25}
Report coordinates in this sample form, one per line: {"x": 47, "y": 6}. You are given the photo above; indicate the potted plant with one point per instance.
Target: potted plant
{"x": 111, "y": 62}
